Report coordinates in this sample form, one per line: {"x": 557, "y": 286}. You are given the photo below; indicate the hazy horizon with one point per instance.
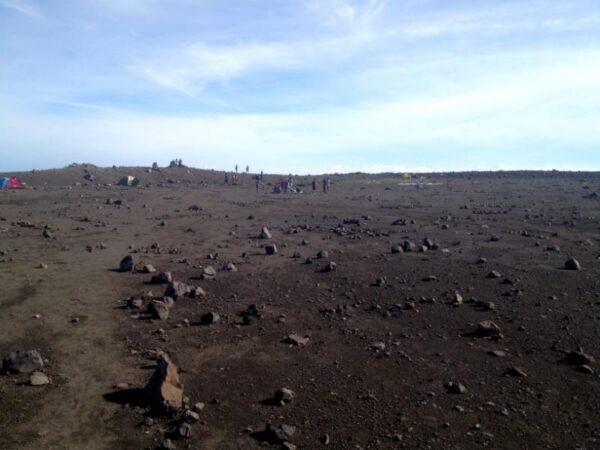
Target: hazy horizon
{"x": 302, "y": 86}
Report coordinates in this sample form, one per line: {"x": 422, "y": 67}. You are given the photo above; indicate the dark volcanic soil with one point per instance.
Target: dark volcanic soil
{"x": 384, "y": 336}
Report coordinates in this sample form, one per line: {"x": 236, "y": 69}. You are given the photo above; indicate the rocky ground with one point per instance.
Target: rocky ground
{"x": 460, "y": 313}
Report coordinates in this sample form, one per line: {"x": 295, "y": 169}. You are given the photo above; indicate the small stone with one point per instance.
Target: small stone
{"x": 275, "y": 433}
{"x": 177, "y": 290}
{"x": 168, "y": 444}
{"x": 127, "y": 264}
{"x": 271, "y": 249}
{"x": 330, "y": 267}
{"x": 323, "y": 254}
{"x": 515, "y": 372}
{"x": 191, "y": 416}
{"x": 210, "y": 318}
{"x": 584, "y": 368}
{"x": 265, "y": 233}
{"x": 577, "y": 358}
{"x": 497, "y": 353}
{"x": 209, "y": 273}
{"x": 283, "y": 396}
{"x": 42, "y": 266}
{"x": 38, "y": 379}
{"x": 572, "y": 264}
{"x": 455, "y": 388}
{"x": 397, "y": 249}
{"x": 494, "y": 274}
{"x": 199, "y": 406}
{"x": 408, "y": 246}
{"x": 324, "y": 439}
{"x": 487, "y": 328}
{"x": 377, "y": 346}
{"x": 294, "y": 339}
{"x": 148, "y": 268}
{"x": 159, "y": 309}
{"x": 162, "y": 278}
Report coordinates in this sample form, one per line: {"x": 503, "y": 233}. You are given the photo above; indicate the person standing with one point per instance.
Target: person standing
{"x": 314, "y": 184}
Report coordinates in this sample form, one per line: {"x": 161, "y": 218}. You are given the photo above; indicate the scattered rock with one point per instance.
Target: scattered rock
{"x": 515, "y": 372}
{"x": 271, "y": 249}
{"x": 22, "y": 361}
{"x": 160, "y": 309}
{"x": 283, "y": 396}
{"x": 127, "y": 264}
{"x": 455, "y": 388}
{"x": 209, "y": 273}
{"x": 572, "y": 264}
{"x": 577, "y": 358}
{"x": 210, "y": 318}
{"x": 177, "y": 290}
{"x": 294, "y": 339}
{"x": 486, "y": 328}
{"x": 38, "y": 379}
{"x": 164, "y": 390}
{"x": 148, "y": 268}
{"x": 162, "y": 278}
{"x": 265, "y": 233}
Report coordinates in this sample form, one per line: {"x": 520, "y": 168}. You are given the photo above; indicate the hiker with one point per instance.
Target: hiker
{"x": 257, "y": 184}
{"x": 261, "y": 175}
{"x": 324, "y": 185}
{"x": 314, "y": 184}
{"x": 226, "y": 178}
{"x": 247, "y": 169}
{"x": 236, "y": 168}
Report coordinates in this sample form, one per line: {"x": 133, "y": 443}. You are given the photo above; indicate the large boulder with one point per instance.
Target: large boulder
{"x": 164, "y": 390}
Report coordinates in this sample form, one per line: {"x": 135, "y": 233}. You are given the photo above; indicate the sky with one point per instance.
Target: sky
{"x": 301, "y": 86}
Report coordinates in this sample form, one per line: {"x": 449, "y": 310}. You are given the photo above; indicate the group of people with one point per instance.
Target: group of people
{"x": 326, "y": 184}
{"x": 285, "y": 185}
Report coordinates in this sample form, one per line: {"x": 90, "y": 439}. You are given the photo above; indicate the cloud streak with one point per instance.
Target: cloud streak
{"x": 22, "y": 7}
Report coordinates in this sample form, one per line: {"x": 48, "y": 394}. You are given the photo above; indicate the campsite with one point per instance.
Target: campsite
{"x": 456, "y": 310}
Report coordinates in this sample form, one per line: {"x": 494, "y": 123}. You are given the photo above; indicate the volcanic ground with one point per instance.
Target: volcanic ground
{"x": 455, "y": 311}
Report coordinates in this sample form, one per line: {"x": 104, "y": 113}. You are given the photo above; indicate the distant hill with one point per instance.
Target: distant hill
{"x": 77, "y": 173}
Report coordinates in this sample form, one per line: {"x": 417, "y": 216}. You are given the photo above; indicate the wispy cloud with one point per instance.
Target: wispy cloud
{"x": 22, "y": 7}
{"x": 317, "y": 85}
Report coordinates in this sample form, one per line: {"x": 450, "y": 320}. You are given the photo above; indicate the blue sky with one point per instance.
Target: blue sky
{"x": 301, "y": 86}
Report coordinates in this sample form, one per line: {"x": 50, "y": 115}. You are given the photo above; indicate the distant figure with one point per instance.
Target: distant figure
{"x": 326, "y": 184}
{"x": 314, "y": 184}
{"x": 257, "y": 184}
{"x": 226, "y": 178}
{"x": 236, "y": 168}
{"x": 247, "y": 169}
{"x": 261, "y": 175}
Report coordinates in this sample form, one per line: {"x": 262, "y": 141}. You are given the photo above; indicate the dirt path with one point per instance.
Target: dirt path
{"x": 76, "y": 297}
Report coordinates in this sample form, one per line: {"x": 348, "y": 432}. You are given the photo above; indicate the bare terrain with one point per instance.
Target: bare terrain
{"x": 438, "y": 314}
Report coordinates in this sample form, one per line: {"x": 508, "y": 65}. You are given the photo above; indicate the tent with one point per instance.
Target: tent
{"x": 11, "y": 183}
{"x": 129, "y": 181}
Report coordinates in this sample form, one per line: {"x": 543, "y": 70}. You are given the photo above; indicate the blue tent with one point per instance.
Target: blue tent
{"x": 4, "y": 183}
